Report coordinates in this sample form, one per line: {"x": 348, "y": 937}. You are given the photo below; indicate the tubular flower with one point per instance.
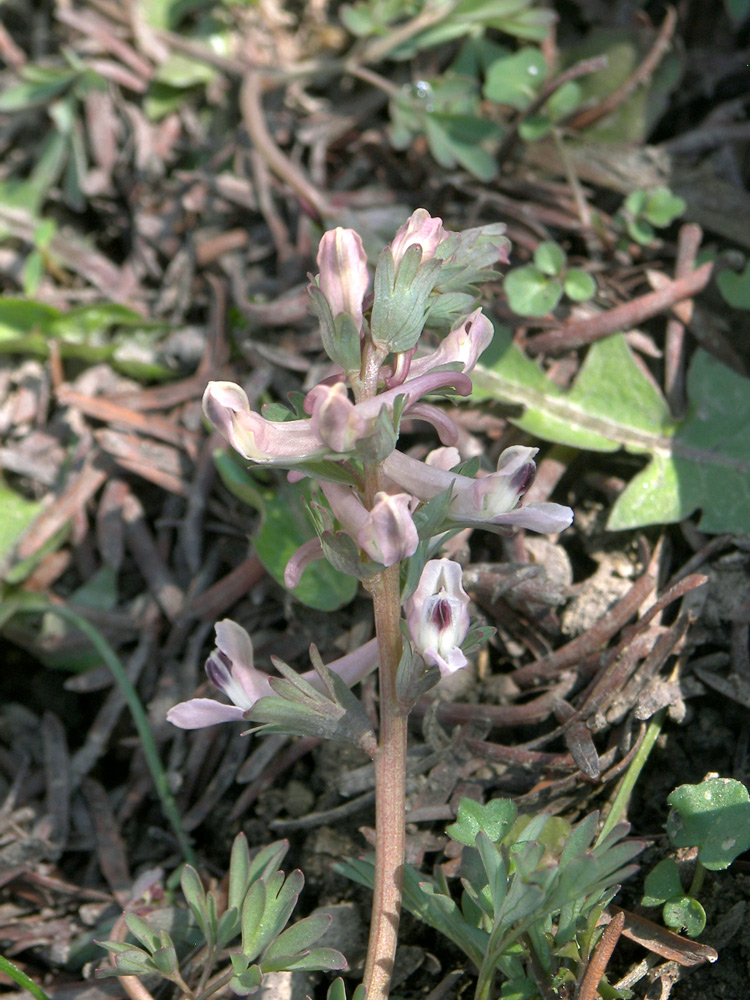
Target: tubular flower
{"x": 343, "y": 277}
{"x": 463, "y": 345}
{"x": 437, "y": 616}
{"x": 490, "y": 502}
{"x": 421, "y": 230}
{"x": 265, "y": 441}
{"x": 387, "y": 533}
{"x": 335, "y": 418}
{"x": 230, "y": 668}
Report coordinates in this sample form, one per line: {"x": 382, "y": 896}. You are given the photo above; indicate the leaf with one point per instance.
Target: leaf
{"x": 493, "y": 819}
{"x": 685, "y": 913}
{"x": 18, "y": 513}
{"x": 530, "y": 292}
{"x": 713, "y": 816}
{"x": 700, "y": 463}
{"x": 458, "y": 138}
{"x": 550, "y": 258}
{"x": 735, "y": 287}
{"x": 738, "y": 10}
{"x": 662, "y": 883}
{"x": 662, "y": 207}
{"x": 516, "y": 79}
{"x": 579, "y": 285}
{"x": 285, "y": 527}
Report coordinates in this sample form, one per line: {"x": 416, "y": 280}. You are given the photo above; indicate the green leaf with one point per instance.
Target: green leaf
{"x": 35, "y": 93}
{"x": 195, "y": 894}
{"x": 28, "y": 984}
{"x": 579, "y": 285}
{"x": 713, "y": 816}
{"x": 550, "y": 258}
{"x": 530, "y": 292}
{"x": 662, "y": 883}
{"x": 458, "y": 138}
{"x": 685, "y": 913}
{"x": 493, "y": 819}
{"x": 701, "y": 463}
{"x": 662, "y": 207}
{"x": 738, "y": 10}
{"x": 516, "y": 79}
{"x": 18, "y": 513}
{"x": 286, "y": 526}
{"x": 140, "y": 929}
{"x": 735, "y": 287}
{"x": 300, "y": 937}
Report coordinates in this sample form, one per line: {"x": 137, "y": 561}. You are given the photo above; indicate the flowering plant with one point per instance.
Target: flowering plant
{"x": 381, "y": 514}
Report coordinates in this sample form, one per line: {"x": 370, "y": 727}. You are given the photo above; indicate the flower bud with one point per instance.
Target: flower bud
{"x": 389, "y": 533}
{"x": 343, "y": 277}
{"x": 437, "y": 615}
{"x": 421, "y": 230}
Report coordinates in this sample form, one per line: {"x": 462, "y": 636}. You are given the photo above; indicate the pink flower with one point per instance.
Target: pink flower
{"x": 387, "y": 533}
{"x": 230, "y": 668}
{"x": 488, "y": 502}
{"x": 463, "y": 345}
{"x": 266, "y": 441}
{"x": 343, "y": 277}
{"x": 437, "y": 616}
{"x": 421, "y": 230}
{"x": 335, "y": 418}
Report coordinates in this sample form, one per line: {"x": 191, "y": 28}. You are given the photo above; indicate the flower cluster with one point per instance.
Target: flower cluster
{"x": 373, "y": 499}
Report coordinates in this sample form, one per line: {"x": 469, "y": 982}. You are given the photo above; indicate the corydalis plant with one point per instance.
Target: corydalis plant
{"x": 380, "y": 514}
{"x": 256, "y": 908}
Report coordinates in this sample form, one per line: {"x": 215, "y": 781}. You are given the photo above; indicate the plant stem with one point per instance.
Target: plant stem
{"x": 619, "y": 808}
{"x": 390, "y": 761}
{"x": 390, "y": 792}
{"x": 697, "y": 884}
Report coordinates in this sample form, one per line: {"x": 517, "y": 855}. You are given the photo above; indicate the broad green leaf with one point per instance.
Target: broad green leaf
{"x": 516, "y": 79}
{"x": 738, "y": 10}
{"x": 662, "y": 207}
{"x": 662, "y": 883}
{"x": 286, "y": 526}
{"x": 713, "y": 816}
{"x": 579, "y": 285}
{"x": 458, "y": 138}
{"x": 685, "y": 913}
{"x": 493, "y": 819}
{"x": 531, "y": 292}
{"x": 735, "y": 287}
{"x": 701, "y": 463}
{"x": 550, "y": 258}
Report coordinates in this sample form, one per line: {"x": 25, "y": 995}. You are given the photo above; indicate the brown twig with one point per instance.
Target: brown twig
{"x": 255, "y": 123}
{"x": 641, "y": 75}
{"x": 597, "y": 966}
{"x": 593, "y": 639}
{"x": 580, "y": 332}
{"x": 688, "y": 242}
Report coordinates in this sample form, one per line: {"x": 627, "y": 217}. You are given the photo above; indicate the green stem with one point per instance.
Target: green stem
{"x": 130, "y": 694}
{"x": 619, "y": 808}
{"x": 697, "y": 883}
